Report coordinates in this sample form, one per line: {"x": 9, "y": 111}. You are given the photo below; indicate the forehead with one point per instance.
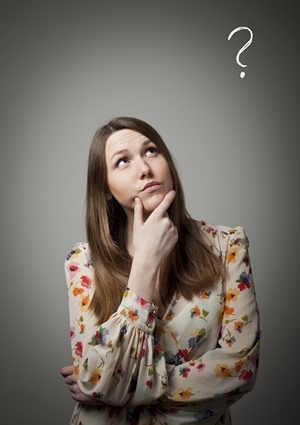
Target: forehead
{"x": 124, "y": 138}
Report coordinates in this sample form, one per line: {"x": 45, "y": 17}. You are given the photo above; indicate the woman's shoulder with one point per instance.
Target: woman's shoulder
{"x": 80, "y": 253}
{"x": 220, "y": 232}
{"x": 220, "y": 229}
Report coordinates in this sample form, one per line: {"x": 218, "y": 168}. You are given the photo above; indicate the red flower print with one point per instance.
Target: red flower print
{"x": 201, "y": 366}
{"x": 245, "y": 375}
{"x": 141, "y": 301}
{"x": 244, "y": 281}
{"x": 96, "y": 395}
{"x": 157, "y": 348}
{"x": 149, "y": 383}
{"x": 78, "y": 350}
{"x": 184, "y": 371}
{"x": 86, "y": 282}
{"x": 72, "y": 333}
{"x": 184, "y": 354}
{"x": 73, "y": 269}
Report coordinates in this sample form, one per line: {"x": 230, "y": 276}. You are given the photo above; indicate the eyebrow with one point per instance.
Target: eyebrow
{"x": 123, "y": 151}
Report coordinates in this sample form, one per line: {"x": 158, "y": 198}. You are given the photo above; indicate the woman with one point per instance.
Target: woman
{"x": 164, "y": 320}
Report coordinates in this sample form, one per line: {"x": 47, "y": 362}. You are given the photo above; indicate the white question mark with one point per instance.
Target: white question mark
{"x": 242, "y": 74}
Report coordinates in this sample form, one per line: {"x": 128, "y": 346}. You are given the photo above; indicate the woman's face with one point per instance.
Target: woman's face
{"x": 135, "y": 168}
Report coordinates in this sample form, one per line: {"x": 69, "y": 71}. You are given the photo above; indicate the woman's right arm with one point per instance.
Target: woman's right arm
{"x": 153, "y": 240}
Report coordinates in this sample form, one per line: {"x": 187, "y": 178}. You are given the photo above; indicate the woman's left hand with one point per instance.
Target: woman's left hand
{"x": 70, "y": 379}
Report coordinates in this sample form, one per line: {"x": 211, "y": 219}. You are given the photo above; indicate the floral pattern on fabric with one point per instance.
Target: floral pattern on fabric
{"x": 186, "y": 367}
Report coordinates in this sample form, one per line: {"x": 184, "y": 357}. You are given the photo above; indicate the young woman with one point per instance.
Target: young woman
{"x": 164, "y": 319}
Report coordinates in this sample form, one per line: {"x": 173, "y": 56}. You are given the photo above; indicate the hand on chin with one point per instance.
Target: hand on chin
{"x": 150, "y": 203}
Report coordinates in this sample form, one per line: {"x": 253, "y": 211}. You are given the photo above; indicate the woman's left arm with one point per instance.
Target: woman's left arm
{"x": 67, "y": 372}
{"x": 229, "y": 371}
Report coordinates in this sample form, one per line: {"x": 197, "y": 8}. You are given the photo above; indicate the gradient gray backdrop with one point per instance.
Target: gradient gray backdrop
{"x": 69, "y": 66}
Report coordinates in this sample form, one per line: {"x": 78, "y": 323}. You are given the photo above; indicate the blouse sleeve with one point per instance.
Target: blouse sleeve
{"x": 122, "y": 362}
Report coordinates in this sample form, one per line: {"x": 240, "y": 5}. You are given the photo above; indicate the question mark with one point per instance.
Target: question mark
{"x": 242, "y": 74}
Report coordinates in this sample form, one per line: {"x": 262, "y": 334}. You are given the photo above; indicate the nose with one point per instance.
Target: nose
{"x": 144, "y": 169}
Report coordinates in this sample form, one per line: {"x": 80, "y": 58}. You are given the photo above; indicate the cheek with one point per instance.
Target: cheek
{"x": 170, "y": 179}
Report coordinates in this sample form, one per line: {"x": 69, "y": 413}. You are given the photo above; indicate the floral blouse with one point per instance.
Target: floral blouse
{"x": 184, "y": 368}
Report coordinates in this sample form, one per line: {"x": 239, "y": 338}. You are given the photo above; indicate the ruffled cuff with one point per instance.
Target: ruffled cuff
{"x": 138, "y": 311}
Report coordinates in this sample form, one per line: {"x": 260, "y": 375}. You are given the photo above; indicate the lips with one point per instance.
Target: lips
{"x": 151, "y": 184}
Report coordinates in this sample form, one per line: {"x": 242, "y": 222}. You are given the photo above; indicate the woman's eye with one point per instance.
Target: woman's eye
{"x": 151, "y": 151}
{"x": 122, "y": 162}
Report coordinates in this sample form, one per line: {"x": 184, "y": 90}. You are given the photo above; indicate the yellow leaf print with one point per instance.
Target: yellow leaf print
{"x": 228, "y": 310}
{"x": 96, "y": 375}
{"x": 238, "y": 365}
{"x": 76, "y": 371}
{"x": 222, "y": 371}
{"x": 232, "y": 294}
{"x": 77, "y": 291}
{"x": 182, "y": 394}
{"x": 232, "y": 254}
{"x": 84, "y": 303}
{"x": 195, "y": 311}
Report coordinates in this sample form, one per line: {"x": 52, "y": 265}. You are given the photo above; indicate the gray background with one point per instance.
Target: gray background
{"x": 69, "y": 66}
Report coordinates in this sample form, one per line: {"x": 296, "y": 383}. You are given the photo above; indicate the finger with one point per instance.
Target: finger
{"x": 138, "y": 220}
{"x": 67, "y": 370}
{"x": 165, "y": 203}
{"x": 71, "y": 379}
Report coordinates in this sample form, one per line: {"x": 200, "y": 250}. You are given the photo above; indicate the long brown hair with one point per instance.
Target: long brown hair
{"x": 190, "y": 267}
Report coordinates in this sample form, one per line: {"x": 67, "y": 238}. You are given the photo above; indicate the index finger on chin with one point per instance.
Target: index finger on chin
{"x": 166, "y": 202}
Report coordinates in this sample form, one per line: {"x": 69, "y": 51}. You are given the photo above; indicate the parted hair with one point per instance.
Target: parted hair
{"x": 189, "y": 269}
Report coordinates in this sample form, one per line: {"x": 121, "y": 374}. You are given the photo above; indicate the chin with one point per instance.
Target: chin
{"x": 151, "y": 204}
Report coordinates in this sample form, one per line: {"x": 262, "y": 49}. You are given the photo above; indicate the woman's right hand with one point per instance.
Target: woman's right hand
{"x": 154, "y": 238}
{"x": 153, "y": 241}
